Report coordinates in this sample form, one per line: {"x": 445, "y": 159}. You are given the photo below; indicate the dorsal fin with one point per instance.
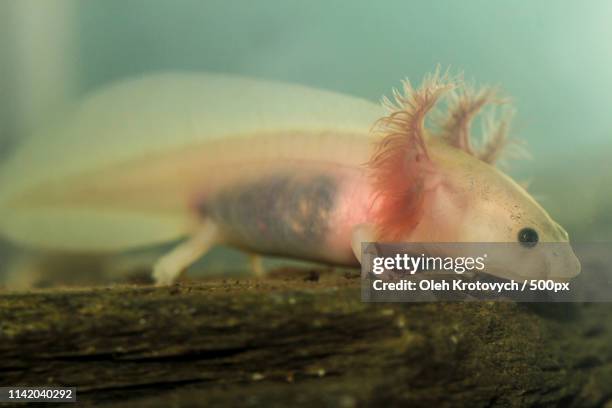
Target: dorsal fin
{"x": 401, "y": 164}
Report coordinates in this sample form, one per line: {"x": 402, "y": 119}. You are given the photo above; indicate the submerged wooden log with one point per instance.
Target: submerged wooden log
{"x": 302, "y": 338}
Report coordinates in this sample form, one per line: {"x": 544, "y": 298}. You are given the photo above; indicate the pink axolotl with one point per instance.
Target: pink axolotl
{"x": 271, "y": 168}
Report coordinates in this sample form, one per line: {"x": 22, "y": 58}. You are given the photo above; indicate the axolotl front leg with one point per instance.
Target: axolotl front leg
{"x": 317, "y": 216}
{"x": 168, "y": 268}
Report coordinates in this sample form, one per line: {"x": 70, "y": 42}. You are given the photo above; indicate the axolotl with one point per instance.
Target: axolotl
{"x": 274, "y": 169}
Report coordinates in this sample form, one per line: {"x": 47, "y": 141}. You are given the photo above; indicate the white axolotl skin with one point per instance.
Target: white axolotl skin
{"x": 271, "y": 168}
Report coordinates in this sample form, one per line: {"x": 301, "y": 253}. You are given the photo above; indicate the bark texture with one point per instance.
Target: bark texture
{"x": 302, "y": 338}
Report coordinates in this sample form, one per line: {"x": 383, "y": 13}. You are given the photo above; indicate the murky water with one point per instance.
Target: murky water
{"x": 551, "y": 59}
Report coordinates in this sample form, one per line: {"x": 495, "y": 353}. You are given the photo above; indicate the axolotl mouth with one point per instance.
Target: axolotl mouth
{"x": 550, "y": 261}
{"x": 563, "y": 264}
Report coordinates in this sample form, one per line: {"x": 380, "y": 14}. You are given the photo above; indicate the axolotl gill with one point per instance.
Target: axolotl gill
{"x": 274, "y": 169}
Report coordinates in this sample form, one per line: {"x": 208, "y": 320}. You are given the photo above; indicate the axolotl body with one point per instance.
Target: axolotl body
{"x": 271, "y": 168}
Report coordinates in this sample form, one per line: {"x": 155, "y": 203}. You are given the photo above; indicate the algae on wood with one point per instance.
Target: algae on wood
{"x": 302, "y": 338}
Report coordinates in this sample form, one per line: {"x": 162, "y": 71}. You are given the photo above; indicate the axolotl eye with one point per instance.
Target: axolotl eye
{"x": 528, "y": 237}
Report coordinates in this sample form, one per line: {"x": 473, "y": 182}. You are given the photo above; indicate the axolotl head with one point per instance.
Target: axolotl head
{"x": 480, "y": 204}
{"x": 439, "y": 189}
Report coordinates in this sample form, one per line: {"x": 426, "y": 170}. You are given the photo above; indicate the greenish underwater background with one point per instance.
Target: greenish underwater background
{"x": 554, "y": 58}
